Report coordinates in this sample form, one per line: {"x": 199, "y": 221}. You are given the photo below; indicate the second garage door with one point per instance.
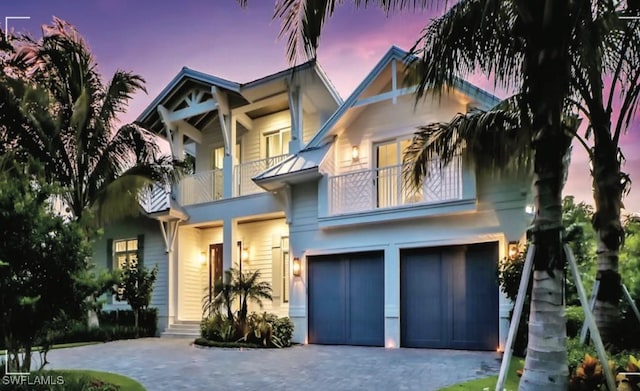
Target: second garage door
{"x": 346, "y": 299}
{"x": 449, "y": 297}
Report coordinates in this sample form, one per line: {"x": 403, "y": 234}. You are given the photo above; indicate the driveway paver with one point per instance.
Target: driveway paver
{"x": 174, "y": 364}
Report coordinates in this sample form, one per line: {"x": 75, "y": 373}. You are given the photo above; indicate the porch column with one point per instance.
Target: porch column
{"x": 228, "y": 128}
{"x": 229, "y": 247}
{"x": 169, "y": 229}
{"x": 229, "y": 179}
{"x": 295, "y": 108}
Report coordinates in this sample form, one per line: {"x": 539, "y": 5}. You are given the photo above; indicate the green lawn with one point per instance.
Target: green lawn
{"x": 124, "y": 383}
{"x": 73, "y": 380}
{"x": 489, "y": 383}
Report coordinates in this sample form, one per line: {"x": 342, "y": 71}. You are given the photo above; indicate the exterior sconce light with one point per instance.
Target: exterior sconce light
{"x": 513, "y": 250}
{"x": 203, "y": 259}
{"x": 355, "y": 153}
{"x": 297, "y": 267}
{"x": 244, "y": 255}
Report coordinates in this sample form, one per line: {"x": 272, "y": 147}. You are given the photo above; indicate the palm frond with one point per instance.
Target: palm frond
{"x": 302, "y": 21}
{"x": 499, "y": 139}
{"x": 472, "y": 35}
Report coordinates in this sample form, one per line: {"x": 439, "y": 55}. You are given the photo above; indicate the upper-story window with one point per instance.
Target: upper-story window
{"x": 217, "y": 157}
{"x": 277, "y": 143}
{"x": 392, "y": 189}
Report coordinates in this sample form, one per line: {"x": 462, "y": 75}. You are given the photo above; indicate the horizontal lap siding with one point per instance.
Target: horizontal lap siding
{"x": 154, "y": 254}
{"x": 384, "y": 120}
{"x": 259, "y": 238}
{"x": 190, "y": 273}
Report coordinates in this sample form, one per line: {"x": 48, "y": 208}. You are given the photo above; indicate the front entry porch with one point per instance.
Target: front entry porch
{"x": 202, "y": 256}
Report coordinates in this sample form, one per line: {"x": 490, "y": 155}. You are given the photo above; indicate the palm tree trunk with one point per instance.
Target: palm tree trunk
{"x": 608, "y": 187}
{"x": 546, "y": 362}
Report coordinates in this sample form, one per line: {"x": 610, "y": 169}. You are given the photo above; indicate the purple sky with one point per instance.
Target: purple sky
{"x": 155, "y": 38}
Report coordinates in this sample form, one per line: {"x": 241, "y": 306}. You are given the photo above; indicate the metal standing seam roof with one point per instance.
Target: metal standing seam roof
{"x": 307, "y": 159}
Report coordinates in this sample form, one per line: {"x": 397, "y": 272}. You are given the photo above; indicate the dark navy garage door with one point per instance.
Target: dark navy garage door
{"x": 449, "y": 297}
{"x": 346, "y": 299}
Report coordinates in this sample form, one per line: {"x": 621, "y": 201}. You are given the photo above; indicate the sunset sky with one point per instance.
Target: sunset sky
{"x": 155, "y": 38}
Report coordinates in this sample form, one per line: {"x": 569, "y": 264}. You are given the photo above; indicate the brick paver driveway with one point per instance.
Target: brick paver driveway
{"x": 173, "y": 364}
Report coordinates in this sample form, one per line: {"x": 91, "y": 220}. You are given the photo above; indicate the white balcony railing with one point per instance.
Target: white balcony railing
{"x": 208, "y": 186}
{"x": 243, "y": 172}
{"x": 366, "y": 190}
{"x": 201, "y": 187}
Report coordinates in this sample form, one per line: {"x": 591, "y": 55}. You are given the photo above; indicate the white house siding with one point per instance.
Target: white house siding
{"x": 154, "y": 255}
{"x": 190, "y": 271}
{"x": 211, "y": 137}
{"x": 384, "y": 121}
{"x": 310, "y": 125}
{"x": 262, "y": 239}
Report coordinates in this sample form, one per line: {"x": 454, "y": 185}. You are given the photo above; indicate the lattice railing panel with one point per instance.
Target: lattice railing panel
{"x": 386, "y": 187}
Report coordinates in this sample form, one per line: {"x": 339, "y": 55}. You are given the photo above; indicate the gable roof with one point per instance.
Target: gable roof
{"x": 186, "y": 75}
{"x": 308, "y": 160}
{"x": 485, "y": 99}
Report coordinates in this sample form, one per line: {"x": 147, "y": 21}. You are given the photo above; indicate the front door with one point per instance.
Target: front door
{"x": 215, "y": 268}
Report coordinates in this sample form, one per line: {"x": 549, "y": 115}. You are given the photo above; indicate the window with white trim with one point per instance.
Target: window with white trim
{"x": 277, "y": 143}
{"x": 125, "y": 253}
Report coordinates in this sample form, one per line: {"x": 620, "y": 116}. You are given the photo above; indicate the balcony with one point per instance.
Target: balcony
{"x": 202, "y": 187}
{"x": 243, "y": 172}
{"x": 379, "y": 188}
{"x": 208, "y": 186}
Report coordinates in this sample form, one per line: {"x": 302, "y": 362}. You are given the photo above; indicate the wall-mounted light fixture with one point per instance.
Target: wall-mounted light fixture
{"x": 513, "y": 250}
{"x": 355, "y": 153}
{"x": 244, "y": 254}
{"x": 297, "y": 267}
{"x": 203, "y": 258}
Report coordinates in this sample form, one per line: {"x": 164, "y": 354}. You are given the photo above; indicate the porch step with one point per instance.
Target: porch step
{"x": 182, "y": 329}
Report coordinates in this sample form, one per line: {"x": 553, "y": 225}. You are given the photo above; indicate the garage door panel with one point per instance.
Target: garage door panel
{"x": 480, "y": 328}
{"x": 462, "y": 279}
{"x": 326, "y": 289}
{"x": 346, "y": 299}
{"x": 422, "y": 302}
{"x": 366, "y": 300}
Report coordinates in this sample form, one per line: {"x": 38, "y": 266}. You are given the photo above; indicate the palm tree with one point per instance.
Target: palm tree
{"x": 607, "y": 45}
{"x": 532, "y": 55}
{"x": 248, "y": 287}
{"x": 58, "y": 110}
{"x": 603, "y": 45}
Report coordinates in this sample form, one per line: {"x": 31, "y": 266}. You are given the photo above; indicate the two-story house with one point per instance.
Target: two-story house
{"x": 309, "y": 190}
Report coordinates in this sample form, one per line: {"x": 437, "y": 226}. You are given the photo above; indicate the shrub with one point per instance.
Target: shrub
{"x": 585, "y": 369}
{"x": 136, "y": 288}
{"x": 266, "y": 330}
{"x": 218, "y": 328}
{"x": 575, "y": 319}
{"x": 282, "y": 332}
{"x": 148, "y": 320}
